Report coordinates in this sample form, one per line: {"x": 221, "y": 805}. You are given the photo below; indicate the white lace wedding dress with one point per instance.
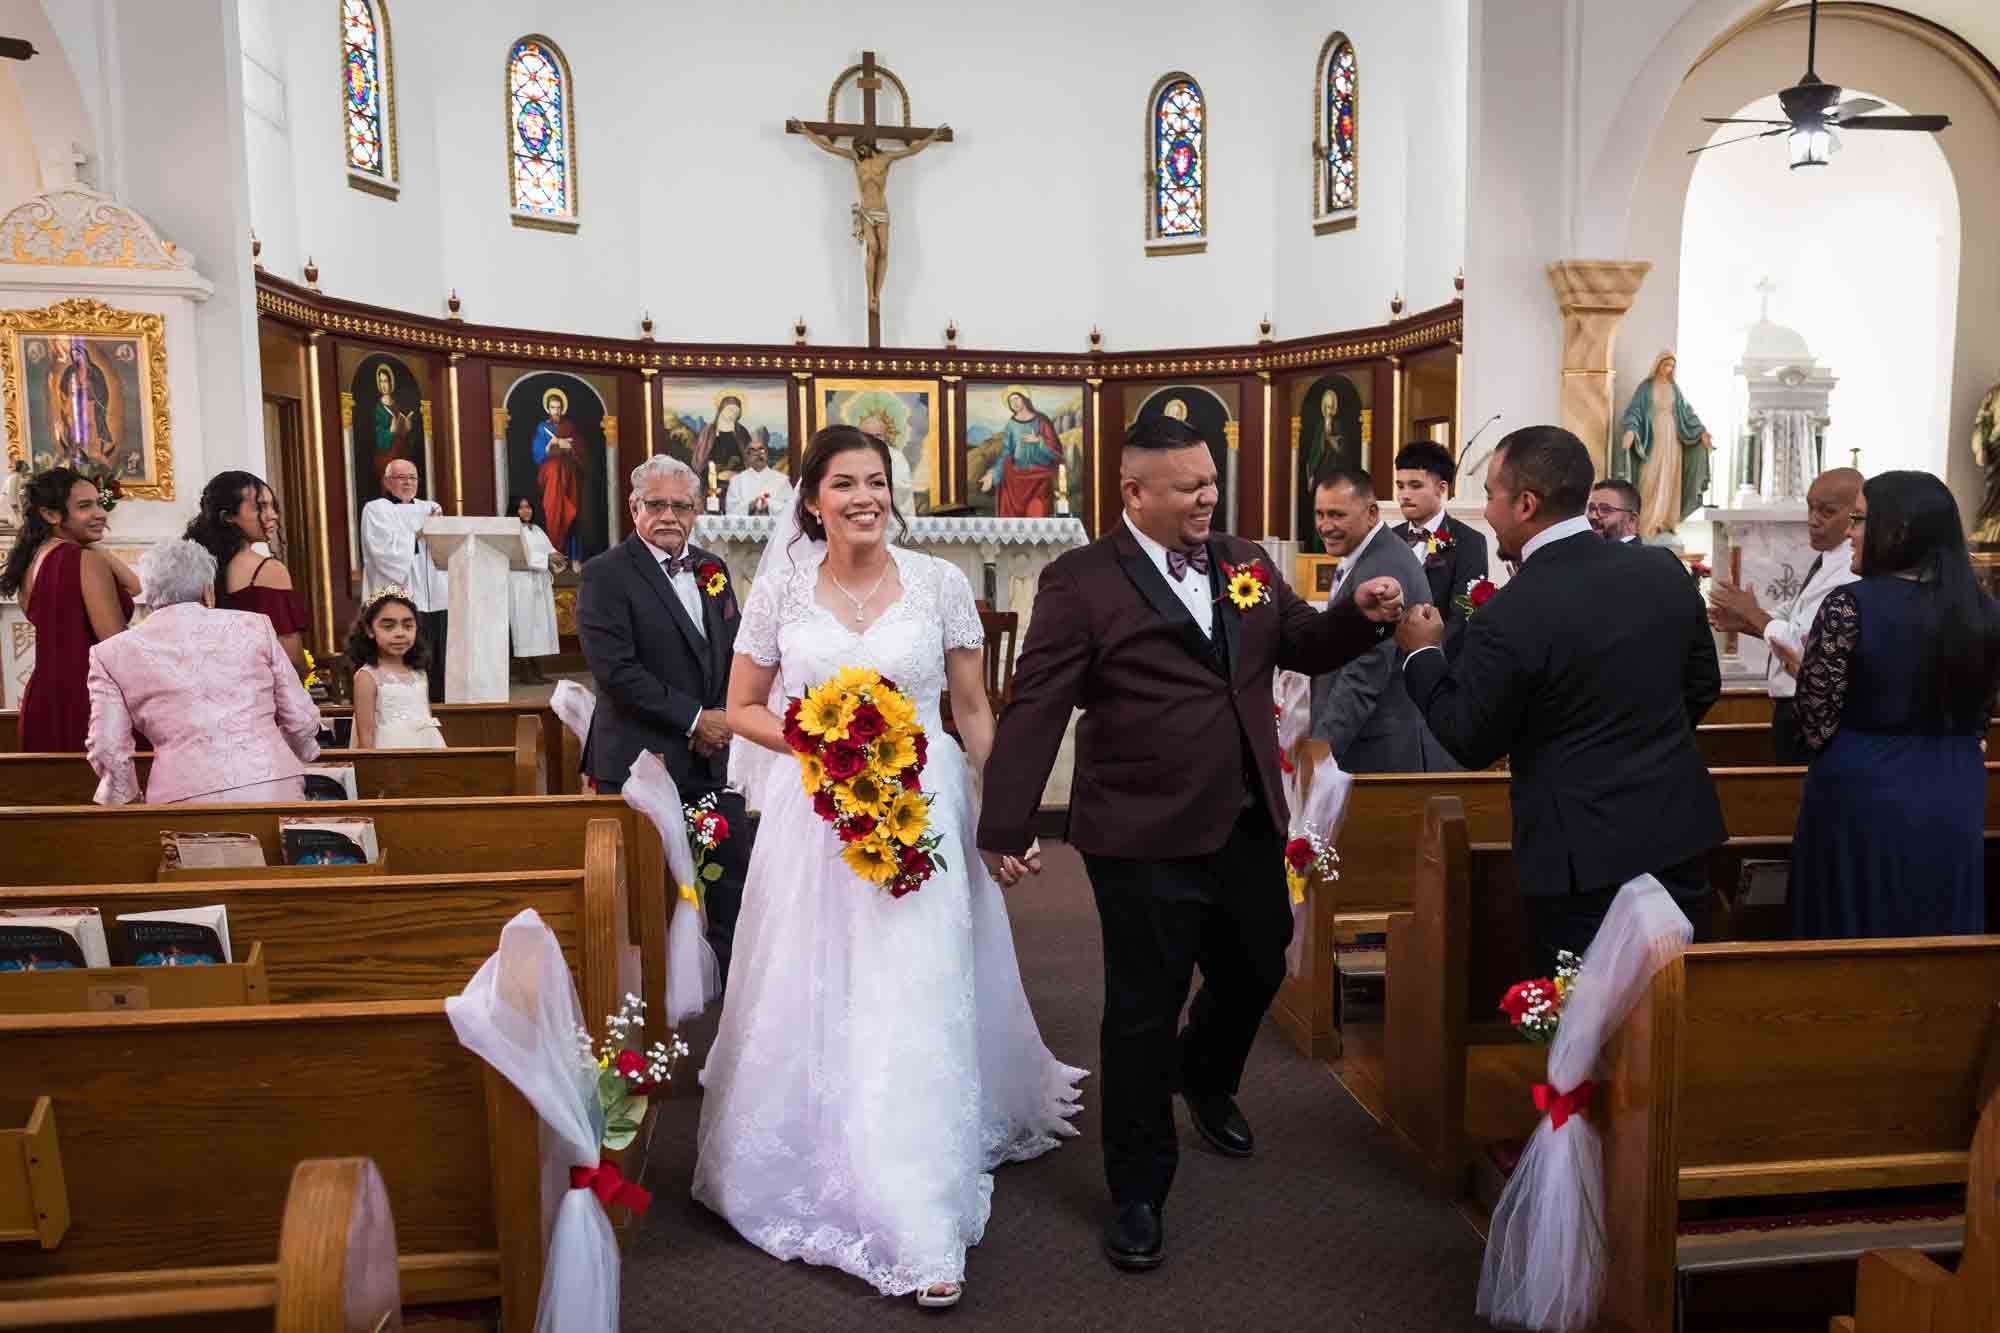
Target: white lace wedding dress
{"x": 876, "y": 1057}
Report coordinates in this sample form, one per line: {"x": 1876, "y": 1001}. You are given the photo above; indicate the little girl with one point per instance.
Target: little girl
{"x": 392, "y": 702}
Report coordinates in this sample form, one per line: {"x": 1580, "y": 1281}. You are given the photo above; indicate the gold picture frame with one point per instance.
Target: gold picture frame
{"x": 909, "y": 409}
{"x": 124, "y": 394}
{"x": 1312, "y": 575}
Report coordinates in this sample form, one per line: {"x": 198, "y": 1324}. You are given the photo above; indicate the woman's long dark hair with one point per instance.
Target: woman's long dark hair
{"x": 1913, "y": 529}
{"x": 361, "y": 649}
{"x": 534, "y": 508}
{"x": 214, "y": 526}
{"x": 828, "y": 443}
{"x": 45, "y": 490}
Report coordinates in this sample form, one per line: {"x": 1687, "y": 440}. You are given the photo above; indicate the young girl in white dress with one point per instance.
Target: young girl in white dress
{"x": 392, "y": 699}
{"x": 876, "y": 1057}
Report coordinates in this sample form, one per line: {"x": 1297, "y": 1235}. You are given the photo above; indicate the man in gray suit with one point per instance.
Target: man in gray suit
{"x": 1361, "y": 711}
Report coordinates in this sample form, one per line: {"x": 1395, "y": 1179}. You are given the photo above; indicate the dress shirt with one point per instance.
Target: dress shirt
{"x": 1569, "y": 527}
{"x": 1431, "y": 524}
{"x": 1835, "y": 567}
{"x": 689, "y": 593}
{"x": 1192, "y": 589}
{"x": 1353, "y": 558}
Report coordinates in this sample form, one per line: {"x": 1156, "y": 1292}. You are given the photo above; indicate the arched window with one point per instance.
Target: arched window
{"x": 368, "y": 95}
{"x": 1335, "y": 132}
{"x": 541, "y": 135}
{"x": 1177, "y": 166}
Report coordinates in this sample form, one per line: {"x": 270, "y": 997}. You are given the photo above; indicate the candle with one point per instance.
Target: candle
{"x": 714, "y": 505}
{"x": 1062, "y": 488}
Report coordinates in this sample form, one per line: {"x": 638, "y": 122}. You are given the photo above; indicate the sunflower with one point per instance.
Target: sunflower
{"x": 852, "y": 680}
{"x": 896, "y": 710}
{"x": 907, "y": 818}
{"x": 825, "y": 713}
{"x": 716, "y": 583}
{"x": 873, "y": 860}
{"x": 864, "y": 794}
{"x": 893, "y": 753}
{"x": 1245, "y": 589}
{"x": 812, "y": 773}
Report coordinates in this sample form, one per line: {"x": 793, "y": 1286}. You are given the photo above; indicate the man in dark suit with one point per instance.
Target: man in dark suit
{"x": 1453, "y": 553}
{"x": 1590, "y": 669}
{"x": 1613, "y": 512}
{"x": 1362, "y": 711}
{"x": 658, "y": 634}
{"x": 1166, "y": 634}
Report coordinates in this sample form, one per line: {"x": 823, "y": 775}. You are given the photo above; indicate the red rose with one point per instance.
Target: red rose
{"x": 888, "y": 684}
{"x": 867, "y": 723}
{"x": 792, "y": 712}
{"x": 718, "y": 827}
{"x": 630, "y": 1064}
{"x": 901, "y": 886}
{"x": 1523, "y": 996}
{"x": 911, "y": 779}
{"x": 856, "y": 828}
{"x": 707, "y": 570}
{"x": 916, "y": 863}
{"x": 1480, "y": 593}
{"x": 824, "y": 807}
{"x": 922, "y": 742}
{"x": 1299, "y": 854}
{"x": 843, "y": 759}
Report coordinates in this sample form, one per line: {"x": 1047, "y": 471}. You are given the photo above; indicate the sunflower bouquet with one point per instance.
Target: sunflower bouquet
{"x": 861, "y": 755}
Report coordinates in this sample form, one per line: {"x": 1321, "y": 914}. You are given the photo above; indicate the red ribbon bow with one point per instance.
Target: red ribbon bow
{"x": 608, "y": 1183}
{"x": 1562, "y": 1105}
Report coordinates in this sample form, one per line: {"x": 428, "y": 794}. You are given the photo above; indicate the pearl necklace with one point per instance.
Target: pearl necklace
{"x": 861, "y": 602}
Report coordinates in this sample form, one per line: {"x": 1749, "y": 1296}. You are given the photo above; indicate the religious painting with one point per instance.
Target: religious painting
{"x": 556, "y": 435}
{"x": 1331, "y": 425}
{"x": 86, "y": 388}
{"x": 1211, "y": 411}
{"x": 903, "y": 415}
{"x": 726, "y": 429}
{"x": 385, "y": 416}
{"x": 1024, "y": 453}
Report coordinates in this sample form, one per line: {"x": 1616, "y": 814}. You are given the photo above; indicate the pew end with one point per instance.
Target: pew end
{"x": 337, "y": 1250}
{"x": 34, "y": 1202}
{"x": 1423, "y": 1064}
{"x": 531, "y": 767}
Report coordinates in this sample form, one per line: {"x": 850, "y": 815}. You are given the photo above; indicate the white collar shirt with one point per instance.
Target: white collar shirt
{"x": 1794, "y": 623}
{"x": 683, "y": 585}
{"x": 1549, "y": 536}
{"x": 1347, "y": 566}
{"x": 1192, "y": 588}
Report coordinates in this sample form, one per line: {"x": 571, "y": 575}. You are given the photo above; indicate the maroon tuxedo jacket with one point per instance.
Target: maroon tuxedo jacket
{"x": 1165, "y": 738}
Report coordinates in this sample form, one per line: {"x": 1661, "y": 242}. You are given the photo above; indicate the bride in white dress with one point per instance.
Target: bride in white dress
{"x": 876, "y": 1057}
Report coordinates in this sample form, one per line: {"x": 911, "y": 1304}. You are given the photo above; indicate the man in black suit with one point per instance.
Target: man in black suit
{"x": 1590, "y": 669}
{"x": 657, "y": 618}
{"x": 1453, "y": 554}
{"x": 1613, "y": 512}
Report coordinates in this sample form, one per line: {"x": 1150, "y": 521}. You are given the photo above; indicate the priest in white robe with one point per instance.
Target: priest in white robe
{"x": 395, "y": 554}
{"x": 759, "y": 488}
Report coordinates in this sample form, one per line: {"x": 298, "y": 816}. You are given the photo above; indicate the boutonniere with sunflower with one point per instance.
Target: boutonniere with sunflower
{"x": 1436, "y": 545}
{"x": 712, "y": 577}
{"x": 1247, "y": 586}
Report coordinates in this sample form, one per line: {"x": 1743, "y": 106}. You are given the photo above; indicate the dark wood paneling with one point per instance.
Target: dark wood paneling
{"x": 475, "y": 406}
{"x": 1110, "y": 409}
{"x": 633, "y": 446}
{"x": 1250, "y": 470}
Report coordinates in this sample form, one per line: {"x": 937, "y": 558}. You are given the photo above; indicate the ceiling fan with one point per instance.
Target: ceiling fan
{"x": 1813, "y": 111}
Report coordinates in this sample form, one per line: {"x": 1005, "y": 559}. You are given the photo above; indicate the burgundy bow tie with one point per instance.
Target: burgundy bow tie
{"x": 1180, "y": 562}
{"x": 678, "y": 564}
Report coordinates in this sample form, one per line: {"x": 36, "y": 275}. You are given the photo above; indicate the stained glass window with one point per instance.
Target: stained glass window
{"x": 539, "y": 129}
{"x": 1180, "y": 166}
{"x": 1340, "y": 136}
{"x": 365, "y": 84}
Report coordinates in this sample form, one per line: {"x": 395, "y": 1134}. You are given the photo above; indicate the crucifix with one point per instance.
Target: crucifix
{"x": 871, "y": 166}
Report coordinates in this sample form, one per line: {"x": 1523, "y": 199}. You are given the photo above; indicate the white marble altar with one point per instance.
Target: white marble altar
{"x": 1780, "y": 446}
{"x": 476, "y": 554}
{"x": 1763, "y": 548}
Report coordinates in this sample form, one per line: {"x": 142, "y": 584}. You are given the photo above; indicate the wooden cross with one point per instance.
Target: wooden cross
{"x": 871, "y": 213}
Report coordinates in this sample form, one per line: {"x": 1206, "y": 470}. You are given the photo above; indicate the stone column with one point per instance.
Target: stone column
{"x": 1593, "y": 295}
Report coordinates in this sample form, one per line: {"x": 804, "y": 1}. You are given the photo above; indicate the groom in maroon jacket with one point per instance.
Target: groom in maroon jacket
{"x": 1166, "y": 636}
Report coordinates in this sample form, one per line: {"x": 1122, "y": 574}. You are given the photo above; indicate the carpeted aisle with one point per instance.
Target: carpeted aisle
{"x": 1325, "y": 1229}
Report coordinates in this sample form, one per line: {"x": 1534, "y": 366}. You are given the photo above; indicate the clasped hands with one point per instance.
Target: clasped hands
{"x": 1011, "y": 870}
{"x": 711, "y": 733}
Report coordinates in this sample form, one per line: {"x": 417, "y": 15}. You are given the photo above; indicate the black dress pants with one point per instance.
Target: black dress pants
{"x": 1787, "y": 740}
{"x": 724, "y": 896}
{"x": 1570, "y": 920}
{"x": 1226, "y": 912}
{"x": 435, "y": 626}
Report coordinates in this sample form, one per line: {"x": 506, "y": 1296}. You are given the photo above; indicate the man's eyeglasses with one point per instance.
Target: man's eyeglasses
{"x": 1599, "y": 511}
{"x": 678, "y": 508}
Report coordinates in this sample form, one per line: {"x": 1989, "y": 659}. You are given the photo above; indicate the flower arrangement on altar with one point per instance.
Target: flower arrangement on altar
{"x": 1307, "y": 855}
{"x": 1248, "y": 585}
{"x": 1477, "y": 594}
{"x": 707, "y": 830}
{"x": 1535, "y": 1007}
{"x": 861, "y": 757}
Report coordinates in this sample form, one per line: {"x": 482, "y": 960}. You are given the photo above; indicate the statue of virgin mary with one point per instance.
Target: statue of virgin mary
{"x": 1662, "y": 449}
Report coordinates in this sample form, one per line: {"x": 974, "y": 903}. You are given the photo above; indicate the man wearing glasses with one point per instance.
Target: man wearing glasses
{"x": 657, "y": 618}
{"x": 1613, "y": 512}
{"x": 1829, "y": 508}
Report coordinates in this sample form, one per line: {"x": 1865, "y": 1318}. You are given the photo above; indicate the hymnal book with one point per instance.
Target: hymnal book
{"x": 331, "y": 782}
{"x": 337, "y": 734}
{"x": 1763, "y": 883}
{"x": 46, "y": 938}
{"x": 174, "y": 937}
{"x": 334, "y": 841}
{"x": 209, "y": 851}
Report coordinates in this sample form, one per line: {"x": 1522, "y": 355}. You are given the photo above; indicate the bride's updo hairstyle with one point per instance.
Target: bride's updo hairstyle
{"x": 828, "y": 444}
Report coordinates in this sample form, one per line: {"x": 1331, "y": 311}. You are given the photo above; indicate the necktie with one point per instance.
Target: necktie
{"x": 1180, "y": 562}
{"x": 678, "y": 564}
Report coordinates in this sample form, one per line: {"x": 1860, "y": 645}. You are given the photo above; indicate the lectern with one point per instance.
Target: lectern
{"x": 476, "y": 554}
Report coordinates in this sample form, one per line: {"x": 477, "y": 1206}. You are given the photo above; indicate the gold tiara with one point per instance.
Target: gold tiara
{"x": 384, "y": 594}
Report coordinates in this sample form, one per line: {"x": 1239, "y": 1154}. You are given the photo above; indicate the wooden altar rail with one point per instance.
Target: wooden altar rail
{"x": 463, "y": 725}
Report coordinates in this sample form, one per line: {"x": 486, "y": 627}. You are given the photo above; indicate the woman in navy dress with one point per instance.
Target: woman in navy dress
{"x": 1894, "y": 695}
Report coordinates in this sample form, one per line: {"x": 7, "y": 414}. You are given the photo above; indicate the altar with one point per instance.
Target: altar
{"x": 1002, "y": 558}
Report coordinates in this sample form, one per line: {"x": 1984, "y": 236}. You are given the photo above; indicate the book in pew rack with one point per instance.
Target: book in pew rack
{"x": 50, "y": 938}
{"x": 333, "y": 841}
{"x": 209, "y": 851}
{"x": 174, "y": 937}
{"x": 331, "y": 782}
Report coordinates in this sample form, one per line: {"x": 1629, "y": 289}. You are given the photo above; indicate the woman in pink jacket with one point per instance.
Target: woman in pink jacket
{"x": 211, "y": 690}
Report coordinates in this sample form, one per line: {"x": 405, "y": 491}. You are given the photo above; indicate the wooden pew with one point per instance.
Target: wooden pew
{"x": 336, "y": 1270}
{"x": 1787, "y": 1069}
{"x": 69, "y": 845}
{"x": 1905, "y": 1291}
{"x": 1750, "y": 704}
{"x": 1748, "y": 744}
{"x": 177, "y": 1131}
{"x": 386, "y": 937}
{"x": 511, "y": 770}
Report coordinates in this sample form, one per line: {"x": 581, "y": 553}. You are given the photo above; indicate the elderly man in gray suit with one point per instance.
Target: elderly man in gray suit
{"x": 1361, "y": 710}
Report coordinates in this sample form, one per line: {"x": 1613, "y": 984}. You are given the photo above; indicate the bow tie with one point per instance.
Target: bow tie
{"x": 1180, "y": 562}
{"x": 678, "y": 564}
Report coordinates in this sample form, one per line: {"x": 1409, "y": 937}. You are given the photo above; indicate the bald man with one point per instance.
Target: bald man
{"x": 1829, "y": 510}
{"x": 394, "y": 553}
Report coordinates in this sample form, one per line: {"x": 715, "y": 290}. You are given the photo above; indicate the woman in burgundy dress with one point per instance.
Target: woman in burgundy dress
{"x": 74, "y": 595}
{"x": 238, "y": 509}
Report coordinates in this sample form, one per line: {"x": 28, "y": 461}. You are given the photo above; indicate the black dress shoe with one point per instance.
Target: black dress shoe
{"x": 1137, "y": 1237}
{"x": 1221, "y": 1123}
